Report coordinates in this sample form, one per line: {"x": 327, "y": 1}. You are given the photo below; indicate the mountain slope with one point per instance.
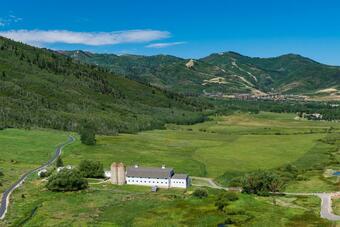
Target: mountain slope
{"x": 167, "y": 72}
{"x": 285, "y": 74}
{"x": 224, "y": 73}
{"x": 42, "y": 88}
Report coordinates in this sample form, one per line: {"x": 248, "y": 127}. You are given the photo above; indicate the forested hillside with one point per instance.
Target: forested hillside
{"x": 223, "y": 73}
{"x": 39, "y": 87}
{"x": 167, "y": 72}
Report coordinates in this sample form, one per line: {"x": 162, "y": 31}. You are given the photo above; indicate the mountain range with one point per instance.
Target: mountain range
{"x": 129, "y": 93}
{"x": 222, "y": 73}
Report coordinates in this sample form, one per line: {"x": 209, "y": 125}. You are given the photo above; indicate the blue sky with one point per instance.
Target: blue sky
{"x": 189, "y": 29}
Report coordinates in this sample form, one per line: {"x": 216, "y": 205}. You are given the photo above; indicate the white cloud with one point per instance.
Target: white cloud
{"x": 41, "y": 37}
{"x": 9, "y": 20}
{"x": 15, "y": 19}
{"x": 163, "y": 45}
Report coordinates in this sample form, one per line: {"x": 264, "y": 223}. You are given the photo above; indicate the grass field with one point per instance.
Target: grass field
{"x": 220, "y": 148}
{"x": 23, "y": 150}
{"x": 108, "y": 205}
{"x": 214, "y": 148}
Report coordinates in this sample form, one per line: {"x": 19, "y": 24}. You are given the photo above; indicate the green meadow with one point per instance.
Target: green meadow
{"x": 221, "y": 148}
{"x": 110, "y": 205}
{"x": 24, "y": 150}
{"x": 231, "y": 145}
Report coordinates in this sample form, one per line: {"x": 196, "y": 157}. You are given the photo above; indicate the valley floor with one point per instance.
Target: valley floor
{"x": 222, "y": 148}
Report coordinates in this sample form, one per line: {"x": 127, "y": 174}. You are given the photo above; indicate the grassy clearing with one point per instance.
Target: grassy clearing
{"x": 214, "y": 148}
{"x": 315, "y": 182}
{"x": 336, "y": 206}
{"x": 23, "y": 150}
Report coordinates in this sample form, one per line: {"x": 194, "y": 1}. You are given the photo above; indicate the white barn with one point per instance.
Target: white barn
{"x": 179, "y": 181}
{"x": 160, "y": 177}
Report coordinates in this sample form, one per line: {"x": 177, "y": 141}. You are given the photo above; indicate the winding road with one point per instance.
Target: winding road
{"x": 6, "y": 195}
{"x": 326, "y": 210}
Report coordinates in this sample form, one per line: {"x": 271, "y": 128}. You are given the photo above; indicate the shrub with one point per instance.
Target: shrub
{"x": 91, "y": 169}
{"x": 224, "y": 199}
{"x": 66, "y": 180}
{"x": 200, "y": 193}
{"x": 230, "y": 196}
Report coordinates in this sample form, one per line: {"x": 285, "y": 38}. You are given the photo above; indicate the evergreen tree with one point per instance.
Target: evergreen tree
{"x": 87, "y": 134}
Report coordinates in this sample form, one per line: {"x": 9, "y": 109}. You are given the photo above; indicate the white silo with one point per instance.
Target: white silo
{"x": 120, "y": 174}
{"x": 114, "y": 173}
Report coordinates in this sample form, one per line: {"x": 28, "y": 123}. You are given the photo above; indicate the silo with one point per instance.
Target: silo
{"x": 114, "y": 173}
{"x": 120, "y": 173}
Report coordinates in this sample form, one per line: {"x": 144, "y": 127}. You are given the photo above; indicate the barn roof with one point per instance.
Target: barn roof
{"x": 179, "y": 176}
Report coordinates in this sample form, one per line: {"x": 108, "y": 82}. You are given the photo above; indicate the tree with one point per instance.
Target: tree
{"x": 59, "y": 162}
{"x": 88, "y": 135}
{"x": 200, "y": 193}
{"x": 92, "y": 169}
{"x": 261, "y": 182}
{"x": 67, "y": 180}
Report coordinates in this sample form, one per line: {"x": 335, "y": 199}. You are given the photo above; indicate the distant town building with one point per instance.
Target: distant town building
{"x": 147, "y": 176}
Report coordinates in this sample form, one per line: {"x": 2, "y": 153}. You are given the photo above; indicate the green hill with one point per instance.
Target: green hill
{"x": 167, "y": 72}
{"x": 39, "y": 87}
{"x": 224, "y": 73}
{"x": 285, "y": 74}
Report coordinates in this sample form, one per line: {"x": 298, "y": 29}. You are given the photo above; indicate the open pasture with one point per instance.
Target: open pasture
{"x": 229, "y": 144}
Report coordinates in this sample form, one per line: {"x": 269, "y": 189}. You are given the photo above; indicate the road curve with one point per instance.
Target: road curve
{"x": 326, "y": 210}
{"x": 326, "y": 207}
{"x": 6, "y": 195}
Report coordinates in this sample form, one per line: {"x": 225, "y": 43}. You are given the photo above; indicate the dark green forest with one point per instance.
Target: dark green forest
{"x": 42, "y": 88}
